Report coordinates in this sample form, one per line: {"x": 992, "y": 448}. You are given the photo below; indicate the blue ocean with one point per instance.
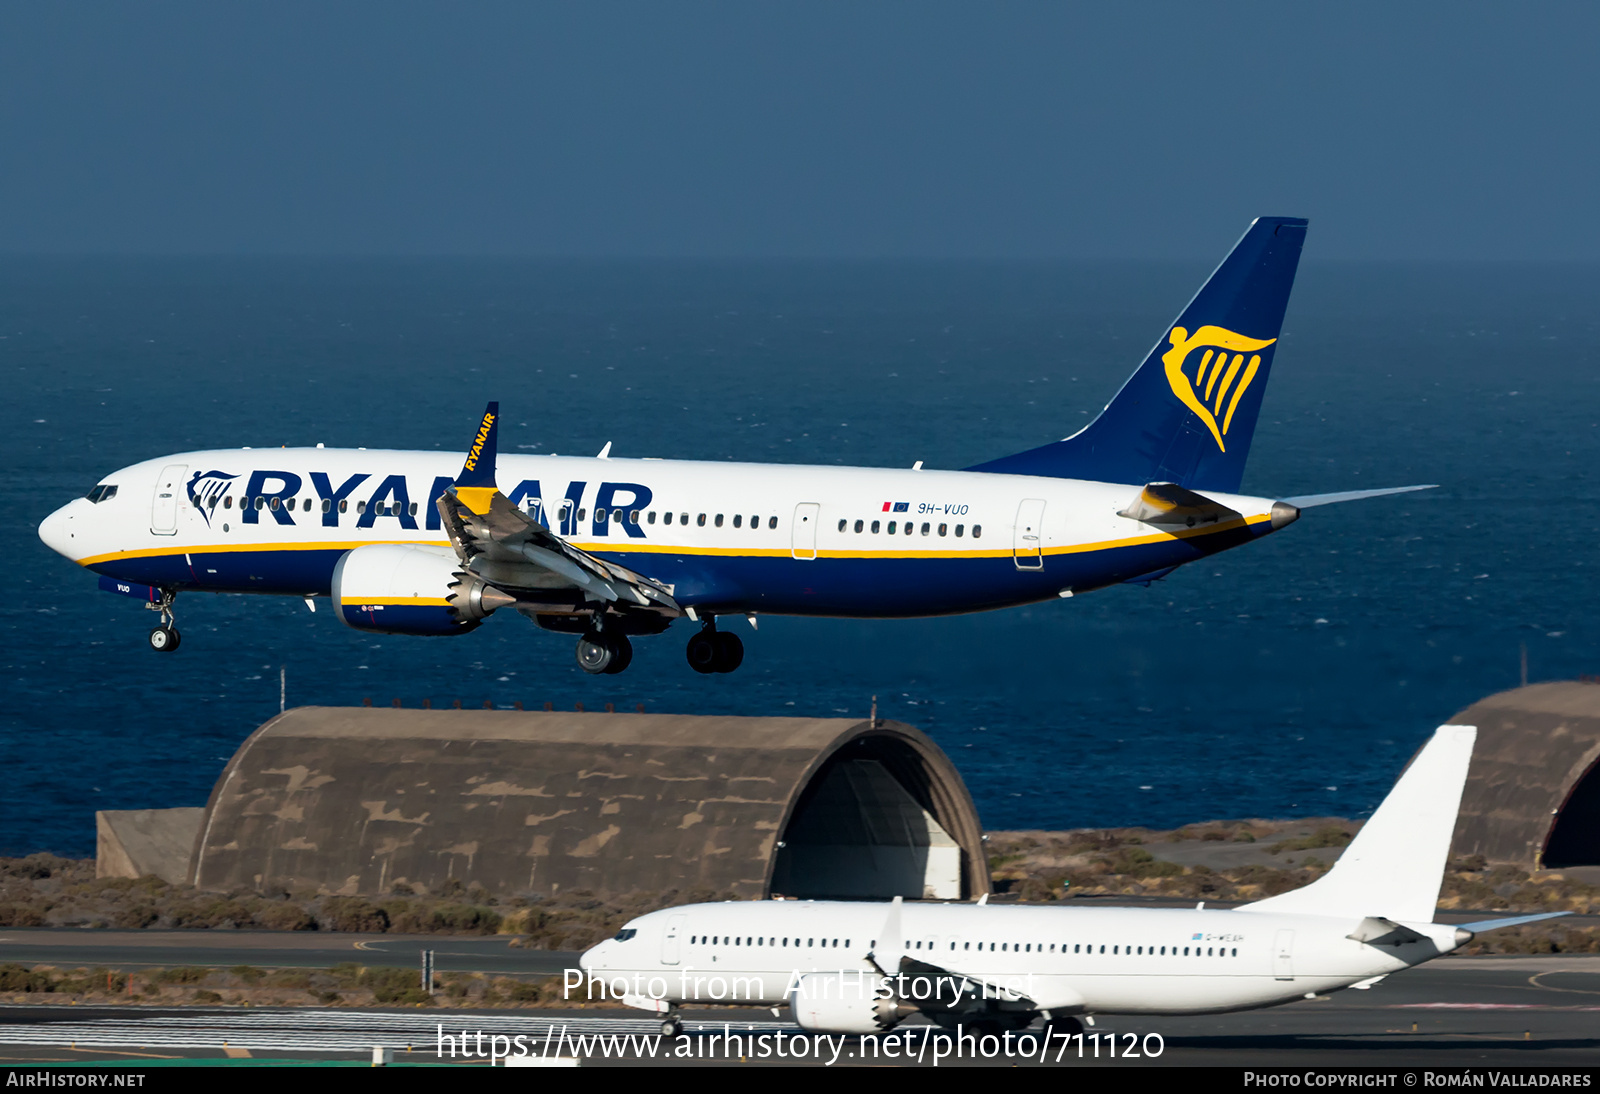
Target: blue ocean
{"x": 1291, "y": 677}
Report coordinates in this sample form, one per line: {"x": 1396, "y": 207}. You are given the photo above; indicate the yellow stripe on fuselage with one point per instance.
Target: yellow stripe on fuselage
{"x": 235, "y": 548}
{"x": 394, "y": 601}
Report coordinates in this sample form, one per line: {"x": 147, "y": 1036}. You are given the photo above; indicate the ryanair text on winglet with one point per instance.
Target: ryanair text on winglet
{"x": 477, "y": 445}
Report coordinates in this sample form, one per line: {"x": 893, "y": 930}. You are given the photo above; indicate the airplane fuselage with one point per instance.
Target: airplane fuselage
{"x": 1069, "y": 960}
{"x": 725, "y": 537}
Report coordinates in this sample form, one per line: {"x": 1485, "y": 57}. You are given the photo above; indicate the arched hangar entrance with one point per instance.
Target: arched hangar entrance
{"x": 1532, "y": 797}
{"x": 372, "y": 800}
{"x": 867, "y": 825}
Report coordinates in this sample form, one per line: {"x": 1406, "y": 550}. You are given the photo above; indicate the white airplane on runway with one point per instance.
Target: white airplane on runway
{"x": 612, "y": 548}
{"x": 862, "y": 967}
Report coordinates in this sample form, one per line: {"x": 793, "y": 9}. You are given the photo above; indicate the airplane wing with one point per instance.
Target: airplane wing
{"x": 519, "y": 556}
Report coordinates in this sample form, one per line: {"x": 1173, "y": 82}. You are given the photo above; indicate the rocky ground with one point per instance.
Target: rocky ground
{"x": 1232, "y": 862}
{"x": 47, "y": 891}
{"x": 1221, "y": 862}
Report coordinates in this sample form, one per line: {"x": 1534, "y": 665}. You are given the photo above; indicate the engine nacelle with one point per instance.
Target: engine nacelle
{"x": 843, "y": 1002}
{"x": 396, "y": 588}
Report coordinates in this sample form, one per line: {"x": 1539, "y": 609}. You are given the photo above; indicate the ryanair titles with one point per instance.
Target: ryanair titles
{"x": 286, "y": 497}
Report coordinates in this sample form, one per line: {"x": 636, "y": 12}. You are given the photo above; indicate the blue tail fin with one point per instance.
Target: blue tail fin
{"x": 1188, "y": 413}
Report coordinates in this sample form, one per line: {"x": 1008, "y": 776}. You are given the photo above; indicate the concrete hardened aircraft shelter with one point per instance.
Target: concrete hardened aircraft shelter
{"x": 1532, "y": 797}
{"x": 361, "y": 801}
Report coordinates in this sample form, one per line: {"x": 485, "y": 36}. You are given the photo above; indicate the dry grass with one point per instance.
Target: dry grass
{"x": 47, "y": 891}
{"x": 1062, "y": 866}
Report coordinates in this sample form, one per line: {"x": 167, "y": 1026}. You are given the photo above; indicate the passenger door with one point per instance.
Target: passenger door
{"x": 805, "y": 529}
{"x": 671, "y": 940}
{"x": 1283, "y": 956}
{"x": 1027, "y": 545}
{"x": 164, "y": 506}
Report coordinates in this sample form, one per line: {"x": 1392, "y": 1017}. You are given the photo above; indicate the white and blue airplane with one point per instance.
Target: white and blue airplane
{"x": 609, "y": 549}
{"x": 862, "y": 967}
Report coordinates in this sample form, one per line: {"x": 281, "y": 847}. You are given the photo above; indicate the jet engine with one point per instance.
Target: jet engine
{"x": 843, "y": 1002}
{"x": 396, "y": 588}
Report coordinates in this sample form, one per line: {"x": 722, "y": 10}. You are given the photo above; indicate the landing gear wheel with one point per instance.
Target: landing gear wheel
{"x": 730, "y": 651}
{"x": 165, "y": 638}
{"x": 596, "y": 654}
{"x": 622, "y": 653}
{"x": 671, "y": 1027}
{"x": 702, "y": 651}
{"x": 1063, "y": 1026}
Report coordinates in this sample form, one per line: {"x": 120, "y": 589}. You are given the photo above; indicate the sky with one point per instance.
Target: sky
{"x": 1417, "y": 131}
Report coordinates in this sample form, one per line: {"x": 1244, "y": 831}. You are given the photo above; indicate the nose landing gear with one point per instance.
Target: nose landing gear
{"x": 714, "y": 651}
{"x": 165, "y": 638}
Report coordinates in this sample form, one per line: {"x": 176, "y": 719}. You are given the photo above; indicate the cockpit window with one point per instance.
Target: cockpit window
{"x": 103, "y": 492}
{"x": 626, "y": 933}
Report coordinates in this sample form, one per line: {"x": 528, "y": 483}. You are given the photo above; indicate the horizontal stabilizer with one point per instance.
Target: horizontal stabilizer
{"x": 1392, "y": 870}
{"x": 1311, "y": 501}
{"x": 1514, "y": 921}
{"x": 1168, "y": 505}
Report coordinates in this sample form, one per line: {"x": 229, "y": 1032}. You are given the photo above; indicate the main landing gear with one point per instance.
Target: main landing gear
{"x": 714, "y": 651}
{"x": 602, "y": 651}
{"x": 165, "y": 638}
{"x": 605, "y": 649}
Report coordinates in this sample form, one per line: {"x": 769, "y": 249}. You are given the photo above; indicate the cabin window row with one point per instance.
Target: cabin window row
{"x": 749, "y": 940}
{"x": 1089, "y": 948}
{"x": 909, "y": 528}
{"x": 305, "y": 505}
{"x": 635, "y": 516}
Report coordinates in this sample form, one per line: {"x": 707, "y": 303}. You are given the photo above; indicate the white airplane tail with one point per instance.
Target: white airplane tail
{"x": 1395, "y": 865}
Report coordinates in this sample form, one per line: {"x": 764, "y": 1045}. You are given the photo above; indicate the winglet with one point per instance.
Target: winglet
{"x": 475, "y": 485}
{"x": 890, "y": 943}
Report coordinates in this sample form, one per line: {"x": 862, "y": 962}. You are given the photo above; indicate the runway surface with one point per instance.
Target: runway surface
{"x": 1495, "y": 1011}
{"x": 493, "y": 954}
{"x": 122, "y": 950}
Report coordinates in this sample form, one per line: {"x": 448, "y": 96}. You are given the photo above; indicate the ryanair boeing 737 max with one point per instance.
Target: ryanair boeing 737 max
{"x": 611, "y": 548}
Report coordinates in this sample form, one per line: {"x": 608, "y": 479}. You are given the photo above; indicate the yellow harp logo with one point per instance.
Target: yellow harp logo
{"x": 1221, "y": 378}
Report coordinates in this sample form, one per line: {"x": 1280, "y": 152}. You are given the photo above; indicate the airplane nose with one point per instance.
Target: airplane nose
{"x": 57, "y": 531}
